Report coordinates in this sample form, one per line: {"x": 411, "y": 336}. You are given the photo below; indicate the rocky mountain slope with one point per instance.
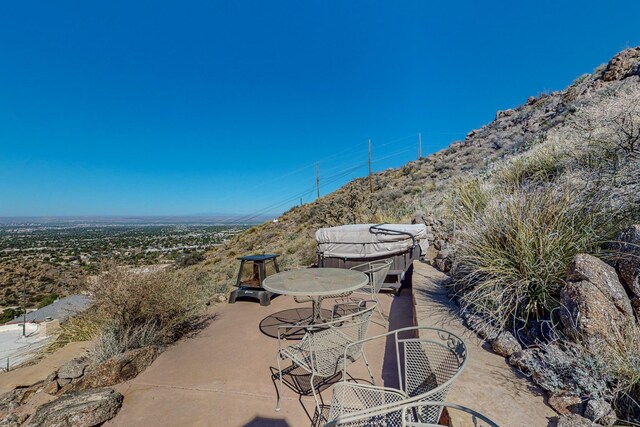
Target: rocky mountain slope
{"x": 425, "y": 189}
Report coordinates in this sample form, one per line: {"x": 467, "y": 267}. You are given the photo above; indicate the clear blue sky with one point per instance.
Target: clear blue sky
{"x": 173, "y": 108}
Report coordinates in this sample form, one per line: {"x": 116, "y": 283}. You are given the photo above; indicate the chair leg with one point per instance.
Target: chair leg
{"x": 366, "y": 362}
{"x": 279, "y": 390}
{"x": 315, "y": 396}
{"x": 380, "y": 312}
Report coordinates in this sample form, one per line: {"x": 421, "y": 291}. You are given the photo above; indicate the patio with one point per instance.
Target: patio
{"x": 223, "y": 376}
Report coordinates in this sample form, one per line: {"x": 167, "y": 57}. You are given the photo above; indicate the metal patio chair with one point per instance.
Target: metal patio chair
{"x": 428, "y": 361}
{"x": 409, "y": 416}
{"x": 327, "y": 348}
{"x": 377, "y": 272}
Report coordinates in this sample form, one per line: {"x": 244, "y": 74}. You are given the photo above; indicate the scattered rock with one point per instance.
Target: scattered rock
{"x": 600, "y": 410}
{"x": 63, "y": 381}
{"x": 439, "y": 244}
{"x": 64, "y": 389}
{"x": 51, "y": 384}
{"x": 603, "y": 276}
{"x": 483, "y": 328}
{"x": 565, "y": 404}
{"x": 443, "y": 265}
{"x": 574, "y": 421}
{"x": 51, "y": 387}
{"x": 119, "y": 368}
{"x": 78, "y": 409}
{"x": 505, "y": 344}
{"x": 73, "y": 368}
{"x": 443, "y": 254}
{"x": 504, "y": 113}
{"x": 623, "y": 65}
{"x": 220, "y": 298}
{"x": 524, "y": 360}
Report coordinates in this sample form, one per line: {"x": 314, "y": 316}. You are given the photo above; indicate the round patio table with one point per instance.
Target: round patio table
{"x": 315, "y": 283}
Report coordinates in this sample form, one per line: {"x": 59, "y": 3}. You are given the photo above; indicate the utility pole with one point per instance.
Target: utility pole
{"x": 318, "y": 178}
{"x": 419, "y": 145}
{"x": 24, "y": 304}
{"x": 370, "y": 181}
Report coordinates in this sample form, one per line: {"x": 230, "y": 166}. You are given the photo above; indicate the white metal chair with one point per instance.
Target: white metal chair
{"x": 428, "y": 361}
{"x": 377, "y": 272}
{"x": 408, "y": 415}
{"x": 327, "y": 348}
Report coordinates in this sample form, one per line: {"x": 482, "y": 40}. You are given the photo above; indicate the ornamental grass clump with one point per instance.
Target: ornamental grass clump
{"x": 514, "y": 246}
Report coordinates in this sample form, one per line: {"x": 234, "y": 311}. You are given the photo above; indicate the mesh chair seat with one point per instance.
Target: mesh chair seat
{"x": 322, "y": 351}
{"x": 352, "y": 397}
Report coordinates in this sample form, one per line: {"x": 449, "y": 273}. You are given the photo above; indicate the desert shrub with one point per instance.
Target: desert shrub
{"x": 513, "y": 248}
{"x": 609, "y": 130}
{"x": 116, "y": 338}
{"x": 189, "y": 258}
{"x": 168, "y": 298}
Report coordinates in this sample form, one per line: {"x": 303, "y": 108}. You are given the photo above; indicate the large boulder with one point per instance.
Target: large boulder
{"x": 627, "y": 248}
{"x": 588, "y": 313}
{"x": 594, "y": 303}
{"x": 79, "y": 409}
{"x": 602, "y": 276}
{"x": 119, "y": 368}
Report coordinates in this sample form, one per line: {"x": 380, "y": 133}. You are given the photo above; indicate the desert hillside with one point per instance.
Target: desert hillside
{"x": 424, "y": 189}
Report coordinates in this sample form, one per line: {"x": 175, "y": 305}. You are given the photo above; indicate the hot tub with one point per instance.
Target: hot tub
{"x": 348, "y": 245}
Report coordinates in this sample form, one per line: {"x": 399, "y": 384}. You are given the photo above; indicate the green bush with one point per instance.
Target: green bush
{"x": 49, "y": 299}
{"x": 9, "y": 314}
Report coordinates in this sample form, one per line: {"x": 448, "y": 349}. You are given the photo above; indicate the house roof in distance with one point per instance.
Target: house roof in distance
{"x": 60, "y": 309}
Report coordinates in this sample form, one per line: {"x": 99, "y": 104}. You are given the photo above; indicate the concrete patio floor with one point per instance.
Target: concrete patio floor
{"x": 223, "y": 375}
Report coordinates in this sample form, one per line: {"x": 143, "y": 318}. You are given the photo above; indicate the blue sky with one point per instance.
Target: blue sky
{"x": 177, "y": 108}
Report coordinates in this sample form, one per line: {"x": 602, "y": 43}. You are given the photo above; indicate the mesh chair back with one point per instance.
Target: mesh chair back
{"x": 428, "y": 365}
{"x": 328, "y": 343}
{"x": 376, "y": 271}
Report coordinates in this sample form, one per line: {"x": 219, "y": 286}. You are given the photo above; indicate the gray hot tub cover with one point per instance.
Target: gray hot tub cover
{"x": 363, "y": 241}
